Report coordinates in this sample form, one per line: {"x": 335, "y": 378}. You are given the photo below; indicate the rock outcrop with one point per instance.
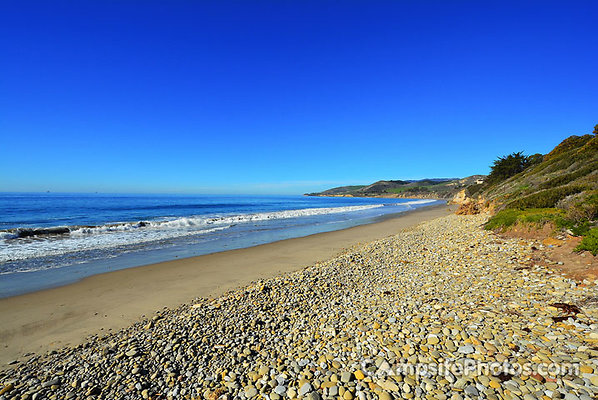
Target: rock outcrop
{"x": 469, "y": 205}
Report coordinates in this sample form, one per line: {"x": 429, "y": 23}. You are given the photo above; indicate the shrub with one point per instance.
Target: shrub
{"x": 417, "y": 189}
{"x": 472, "y": 190}
{"x": 581, "y": 229}
{"x": 571, "y": 143}
{"x": 589, "y": 242}
{"x": 546, "y": 198}
{"x": 566, "y": 178}
{"x": 585, "y": 209}
{"x": 537, "y": 216}
{"x": 535, "y": 159}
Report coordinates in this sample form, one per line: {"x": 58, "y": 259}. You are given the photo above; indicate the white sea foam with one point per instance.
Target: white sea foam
{"x": 8, "y": 235}
{"x": 123, "y": 234}
{"x": 14, "y": 250}
{"x": 413, "y": 202}
{"x": 203, "y": 221}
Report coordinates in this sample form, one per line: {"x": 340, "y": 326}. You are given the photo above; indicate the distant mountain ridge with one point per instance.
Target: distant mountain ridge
{"x": 437, "y": 188}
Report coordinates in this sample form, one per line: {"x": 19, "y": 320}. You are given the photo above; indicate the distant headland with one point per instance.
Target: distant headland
{"x": 436, "y": 188}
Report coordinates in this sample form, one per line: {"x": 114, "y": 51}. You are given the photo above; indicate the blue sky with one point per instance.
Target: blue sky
{"x": 284, "y": 96}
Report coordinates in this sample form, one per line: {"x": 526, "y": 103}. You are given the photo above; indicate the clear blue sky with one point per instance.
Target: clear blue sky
{"x": 284, "y": 96}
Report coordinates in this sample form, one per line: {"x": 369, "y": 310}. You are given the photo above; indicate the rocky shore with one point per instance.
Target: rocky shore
{"x": 445, "y": 310}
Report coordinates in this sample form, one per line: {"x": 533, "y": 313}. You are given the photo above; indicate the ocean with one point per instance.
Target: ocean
{"x": 50, "y": 239}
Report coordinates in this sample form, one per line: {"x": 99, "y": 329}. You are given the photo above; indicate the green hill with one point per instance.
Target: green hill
{"x": 560, "y": 188}
{"x": 438, "y": 188}
{"x": 568, "y": 170}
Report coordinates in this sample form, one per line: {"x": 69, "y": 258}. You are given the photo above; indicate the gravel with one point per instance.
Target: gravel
{"x": 443, "y": 293}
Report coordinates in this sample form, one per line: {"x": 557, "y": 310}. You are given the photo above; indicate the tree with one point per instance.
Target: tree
{"x": 595, "y": 130}
{"x": 534, "y": 159}
{"x": 507, "y": 166}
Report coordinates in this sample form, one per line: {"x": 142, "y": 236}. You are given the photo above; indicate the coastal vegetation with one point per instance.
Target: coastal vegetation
{"x": 559, "y": 188}
{"x": 590, "y": 242}
{"x": 535, "y": 216}
{"x": 510, "y": 165}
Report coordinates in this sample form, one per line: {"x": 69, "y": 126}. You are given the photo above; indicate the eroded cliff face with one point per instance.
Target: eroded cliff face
{"x": 460, "y": 198}
{"x": 471, "y": 206}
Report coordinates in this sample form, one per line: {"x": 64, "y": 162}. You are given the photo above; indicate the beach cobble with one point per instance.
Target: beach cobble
{"x": 444, "y": 310}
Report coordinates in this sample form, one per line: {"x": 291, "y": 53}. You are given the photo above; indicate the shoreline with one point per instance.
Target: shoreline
{"x": 53, "y": 318}
{"x": 47, "y": 261}
{"x": 442, "y": 310}
{"x": 385, "y": 196}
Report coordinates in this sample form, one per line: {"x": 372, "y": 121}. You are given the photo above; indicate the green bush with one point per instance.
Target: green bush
{"x": 418, "y": 189}
{"x": 566, "y": 178}
{"x": 571, "y": 143}
{"x": 535, "y": 159}
{"x": 546, "y": 198}
{"x": 586, "y": 209}
{"x": 536, "y": 216}
{"x": 589, "y": 242}
{"x": 472, "y": 190}
{"x": 581, "y": 229}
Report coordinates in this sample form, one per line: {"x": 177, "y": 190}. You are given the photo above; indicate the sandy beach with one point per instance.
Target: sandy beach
{"x": 443, "y": 310}
{"x": 65, "y": 316}
{"x": 288, "y": 200}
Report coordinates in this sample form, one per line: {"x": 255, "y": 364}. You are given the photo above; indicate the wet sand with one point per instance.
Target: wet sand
{"x": 65, "y": 316}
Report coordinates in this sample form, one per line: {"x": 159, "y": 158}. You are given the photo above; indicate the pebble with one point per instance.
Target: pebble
{"x": 467, "y": 349}
{"x": 305, "y": 388}
{"x": 444, "y": 291}
{"x": 346, "y": 377}
{"x": 280, "y": 390}
{"x": 250, "y": 391}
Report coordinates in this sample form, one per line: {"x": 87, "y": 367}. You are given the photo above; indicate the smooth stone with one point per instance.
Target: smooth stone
{"x": 305, "y": 389}
{"x": 346, "y": 377}
{"x": 281, "y": 390}
{"x": 250, "y": 391}
{"x": 388, "y": 385}
{"x": 313, "y": 396}
{"x": 467, "y": 349}
{"x": 53, "y": 382}
{"x": 333, "y": 391}
{"x": 472, "y": 391}
{"x": 460, "y": 384}
{"x": 433, "y": 339}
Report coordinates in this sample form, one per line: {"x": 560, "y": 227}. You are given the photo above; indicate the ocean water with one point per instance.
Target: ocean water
{"x": 51, "y": 239}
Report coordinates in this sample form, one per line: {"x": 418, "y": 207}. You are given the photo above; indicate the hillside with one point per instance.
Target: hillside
{"x": 559, "y": 189}
{"x": 426, "y": 188}
{"x": 567, "y": 174}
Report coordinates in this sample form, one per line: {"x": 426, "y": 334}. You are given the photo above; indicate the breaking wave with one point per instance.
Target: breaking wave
{"x": 25, "y": 243}
{"x": 20, "y": 244}
{"x": 177, "y": 223}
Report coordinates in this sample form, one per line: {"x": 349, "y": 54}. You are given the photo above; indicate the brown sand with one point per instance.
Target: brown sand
{"x": 64, "y": 316}
{"x": 558, "y": 253}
